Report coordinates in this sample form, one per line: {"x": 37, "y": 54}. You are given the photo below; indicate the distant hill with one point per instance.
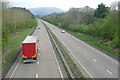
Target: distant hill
{"x": 45, "y": 10}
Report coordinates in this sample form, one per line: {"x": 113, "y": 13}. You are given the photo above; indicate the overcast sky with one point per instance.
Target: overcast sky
{"x": 62, "y": 4}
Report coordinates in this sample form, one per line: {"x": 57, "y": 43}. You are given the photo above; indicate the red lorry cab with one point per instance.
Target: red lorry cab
{"x": 29, "y": 48}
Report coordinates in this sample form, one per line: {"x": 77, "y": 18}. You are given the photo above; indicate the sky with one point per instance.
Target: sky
{"x": 62, "y": 4}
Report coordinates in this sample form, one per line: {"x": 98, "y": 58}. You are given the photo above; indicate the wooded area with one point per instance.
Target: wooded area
{"x": 17, "y": 23}
{"x": 13, "y": 20}
{"x": 101, "y": 22}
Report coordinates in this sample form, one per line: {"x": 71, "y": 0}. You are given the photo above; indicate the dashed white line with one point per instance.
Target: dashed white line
{"x": 94, "y": 60}
{"x": 15, "y": 68}
{"x": 85, "y": 52}
{"x": 36, "y": 75}
{"x": 57, "y": 64}
{"x": 38, "y": 54}
{"x": 109, "y": 71}
{"x": 39, "y": 48}
{"x": 60, "y": 71}
{"x": 94, "y": 49}
{"x": 74, "y": 56}
{"x": 38, "y": 62}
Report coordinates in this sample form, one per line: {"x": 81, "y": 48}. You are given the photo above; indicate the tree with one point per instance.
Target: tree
{"x": 101, "y": 11}
{"x": 114, "y": 5}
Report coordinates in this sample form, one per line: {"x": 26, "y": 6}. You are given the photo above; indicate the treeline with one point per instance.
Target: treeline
{"x": 75, "y": 16}
{"x": 15, "y": 19}
{"x": 101, "y": 22}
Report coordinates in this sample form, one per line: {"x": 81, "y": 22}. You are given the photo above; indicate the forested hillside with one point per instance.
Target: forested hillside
{"x": 17, "y": 23}
{"x": 99, "y": 23}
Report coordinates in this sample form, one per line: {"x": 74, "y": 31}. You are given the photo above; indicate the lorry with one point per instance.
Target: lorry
{"x": 29, "y": 49}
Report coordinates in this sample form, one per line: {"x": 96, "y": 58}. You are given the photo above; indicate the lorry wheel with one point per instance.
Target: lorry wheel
{"x": 34, "y": 58}
{"x": 24, "y": 59}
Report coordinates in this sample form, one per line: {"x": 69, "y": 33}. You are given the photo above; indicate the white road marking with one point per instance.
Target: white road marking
{"x": 36, "y": 75}
{"x": 74, "y": 56}
{"x": 15, "y": 68}
{"x": 109, "y": 71}
{"x": 94, "y": 60}
{"x": 38, "y": 62}
{"x": 85, "y": 52}
{"x": 39, "y": 48}
{"x": 39, "y": 54}
{"x": 56, "y": 59}
{"x": 95, "y": 49}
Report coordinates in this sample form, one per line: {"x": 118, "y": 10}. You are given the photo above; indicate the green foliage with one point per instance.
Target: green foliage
{"x": 82, "y": 20}
{"x": 80, "y": 28}
{"x": 17, "y": 23}
{"x": 16, "y": 45}
{"x": 15, "y": 19}
{"x": 116, "y": 41}
{"x": 101, "y": 11}
{"x": 75, "y": 16}
{"x": 31, "y": 23}
{"x": 64, "y": 25}
{"x": 105, "y": 28}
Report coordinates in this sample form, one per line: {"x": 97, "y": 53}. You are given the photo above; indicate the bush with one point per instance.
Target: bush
{"x": 116, "y": 41}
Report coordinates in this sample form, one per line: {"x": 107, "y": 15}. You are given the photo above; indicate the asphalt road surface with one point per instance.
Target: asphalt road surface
{"x": 45, "y": 67}
{"x": 91, "y": 62}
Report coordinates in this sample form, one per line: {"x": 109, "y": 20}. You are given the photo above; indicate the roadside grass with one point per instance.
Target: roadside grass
{"x": 93, "y": 41}
{"x": 15, "y": 44}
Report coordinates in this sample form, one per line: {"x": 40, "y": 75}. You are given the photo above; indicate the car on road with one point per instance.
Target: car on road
{"x": 62, "y": 31}
{"x": 38, "y": 27}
